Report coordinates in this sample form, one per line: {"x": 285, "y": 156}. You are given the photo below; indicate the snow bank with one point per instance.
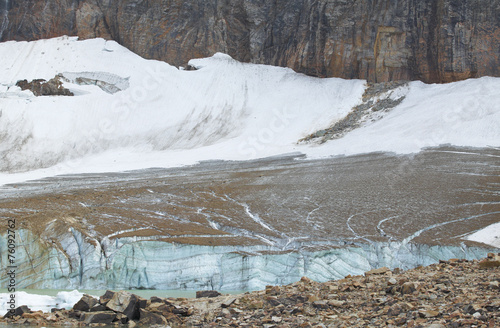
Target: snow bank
{"x": 38, "y": 302}
{"x": 465, "y": 113}
{"x": 489, "y": 235}
{"x": 165, "y": 117}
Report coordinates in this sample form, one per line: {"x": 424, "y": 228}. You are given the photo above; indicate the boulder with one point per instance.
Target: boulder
{"x": 98, "y": 308}
{"x": 336, "y": 303}
{"x": 207, "y": 293}
{"x": 150, "y": 318}
{"x": 126, "y": 303}
{"x": 108, "y": 295}
{"x": 180, "y": 310}
{"x": 122, "y": 318}
{"x": 320, "y": 305}
{"x": 490, "y": 262}
{"x": 142, "y": 303}
{"x": 408, "y": 288}
{"x": 41, "y": 87}
{"x": 156, "y": 299}
{"x": 85, "y": 303}
{"x": 159, "y": 308}
{"x": 33, "y": 315}
{"x": 227, "y": 303}
{"x": 102, "y": 317}
{"x": 377, "y": 271}
{"x": 18, "y": 311}
{"x": 74, "y": 314}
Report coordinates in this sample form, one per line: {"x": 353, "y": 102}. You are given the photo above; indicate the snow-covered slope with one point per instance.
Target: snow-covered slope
{"x": 464, "y": 113}
{"x": 143, "y": 113}
{"x": 165, "y": 117}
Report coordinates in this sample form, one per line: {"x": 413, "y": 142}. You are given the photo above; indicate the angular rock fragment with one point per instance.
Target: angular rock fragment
{"x": 408, "y": 288}
{"x": 126, "y": 303}
{"x": 227, "y": 303}
{"x": 18, "y": 311}
{"x": 492, "y": 261}
{"x": 108, "y": 295}
{"x": 377, "y": 271}
{"x": 320, "y": 305}
{"x": 156, "y": 299}
{"x": 151, "y": 318}
{"x": 86, "y": 303}
{"x": 336, "y": 303}
{"x": 122, "y": 318}
{"x": 41, "y": 87}
{"x": 207, "y": 293}
{"x": 98, "y": 308}
{"x": 102, "y": 317}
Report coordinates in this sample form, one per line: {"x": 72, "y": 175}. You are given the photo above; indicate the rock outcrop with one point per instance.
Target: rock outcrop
{"x": 381, "y": 40}
{"x": 41, "y": 87}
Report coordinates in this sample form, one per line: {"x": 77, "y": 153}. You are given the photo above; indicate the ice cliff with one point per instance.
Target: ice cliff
{"x": 127, "y": 263}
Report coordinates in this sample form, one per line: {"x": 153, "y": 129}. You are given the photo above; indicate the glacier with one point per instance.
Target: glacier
{"x": 129, "y": 113}
{"x": 131, "y": 263}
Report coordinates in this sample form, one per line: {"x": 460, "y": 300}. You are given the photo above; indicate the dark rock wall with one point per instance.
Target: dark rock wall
{"x": 377, "y": 40}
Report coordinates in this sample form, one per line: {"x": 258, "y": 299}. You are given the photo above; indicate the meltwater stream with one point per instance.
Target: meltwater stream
{"x": 243, "y": 225}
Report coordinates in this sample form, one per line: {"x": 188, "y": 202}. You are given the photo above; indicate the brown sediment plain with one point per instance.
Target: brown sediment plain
{"x": 435, "y": 197}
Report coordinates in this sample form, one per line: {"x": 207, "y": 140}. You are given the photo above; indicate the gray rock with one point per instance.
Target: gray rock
{"x": 207, "y": 293}
{"x": 320, "y": 304}
{"x": 408, "y": 288}
{"x": 227, "y": 303}
{"x": 20, "y": 310}
{"x": 435, "y": 325}
{"x": 86, "y": 303}
{"x": 98, "y": 308}
{"x": 126, "y": 303}
{"x": 122, "y": 318}
{"x": 156, "y": 299}
{"x": 108, "y": 295}
{"x": 150, "y": 318}
{"x": 103, "y": 317}
{"x": 41, "y": 87}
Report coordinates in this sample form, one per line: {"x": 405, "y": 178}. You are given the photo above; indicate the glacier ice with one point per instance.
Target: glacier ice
{"x": 77, "y": 261}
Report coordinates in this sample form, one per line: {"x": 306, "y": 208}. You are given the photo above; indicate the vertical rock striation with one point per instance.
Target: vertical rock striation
{"x": 377, "y": 40}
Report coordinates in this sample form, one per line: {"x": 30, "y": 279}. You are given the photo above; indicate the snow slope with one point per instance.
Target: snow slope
{"x": 164, "y": 116}
{"x": 465, "y": 113}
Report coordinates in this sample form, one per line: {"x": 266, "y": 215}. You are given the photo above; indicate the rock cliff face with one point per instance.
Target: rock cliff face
{"x": 377, "y": 40}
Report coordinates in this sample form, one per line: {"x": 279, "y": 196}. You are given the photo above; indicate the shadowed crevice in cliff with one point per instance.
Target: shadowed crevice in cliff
{"x": 4, "y": 16}
{"x": 381, "y": 40}
{"x": 434, "y": 36}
